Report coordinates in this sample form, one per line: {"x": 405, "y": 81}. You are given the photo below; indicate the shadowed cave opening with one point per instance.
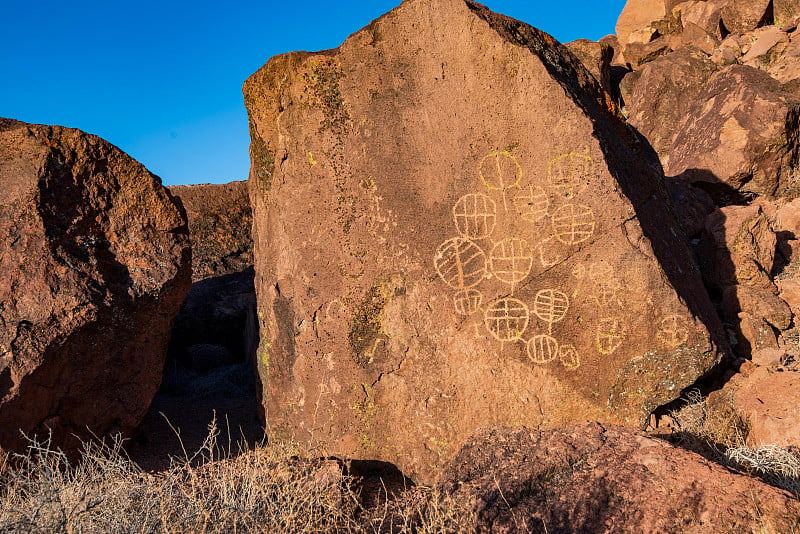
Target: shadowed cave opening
{"x": 209, "y": 373}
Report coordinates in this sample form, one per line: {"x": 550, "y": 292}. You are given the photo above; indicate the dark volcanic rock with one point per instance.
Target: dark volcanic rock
{"x": 220, "y": 219}
{"x": 453, "y": 229}
{"x": 95, "y": 263}
{"x": 594, "y": 478}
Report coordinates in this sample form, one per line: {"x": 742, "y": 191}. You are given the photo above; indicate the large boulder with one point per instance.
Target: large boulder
{"x": 454, "y": 229}
{"x": 741, "y": 130}
{"x": 598, "y": 478}
{"x": 95, "y": 262}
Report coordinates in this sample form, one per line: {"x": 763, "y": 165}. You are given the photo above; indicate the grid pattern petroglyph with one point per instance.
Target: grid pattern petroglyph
{"x": 511, "y": 260}
{"x": 460, "y": 263}
{"x": 507, "y": 319}
{"x": 475, "y": 216}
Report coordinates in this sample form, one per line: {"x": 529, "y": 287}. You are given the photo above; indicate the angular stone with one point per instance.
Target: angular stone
{"x": 740, "y": 16}
{"x": 745, "y": 137}
{"x": 596, "y": 57}
{"x": 453, "y": 229}
{"x": 597, "y": 478}
{"x": 786, "y": 12}
{"x": 640, "y": 14}
{"x": 94, "y": 263}
{"x": 769, "y": 45}
{"x": 220, "y": 219}
{"x": 663, "y": 92}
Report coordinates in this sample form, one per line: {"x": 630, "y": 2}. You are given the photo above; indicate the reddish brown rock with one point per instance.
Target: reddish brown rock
{"x": 596, "y": 57}
{"x": 745, "y": 137}
{"x": 661, "y": 93}
{"x": 740, "y": 16}
{"x": 95, "y": 263}
{"x": 595, "y": 478}
{"x": 220, "y": 219}
{"x": 452, "y": 230}
{"x": 639, "y": 15}
{"x": 770, "y": 401}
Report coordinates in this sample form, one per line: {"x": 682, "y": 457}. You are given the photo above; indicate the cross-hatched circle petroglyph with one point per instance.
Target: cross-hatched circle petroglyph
{"x": 550, "y": 305}
{"x": 507, "y": 319}
{"x": 610, "y": 333}
{"x": 542, "y": 349}
{"x": 511, "y": 260}
{"x": 499, "y": 170}
{"x": 573, "y": 224}
{"x": 568, "y": 355}
{"x": 673, "y": 330}
{"x": 532, "y": 204}
{"x": 468, "y": 301}
{"x": 475, "y": 216}
{"x": 460, "y": 263}
{"x": 570, "y": 173}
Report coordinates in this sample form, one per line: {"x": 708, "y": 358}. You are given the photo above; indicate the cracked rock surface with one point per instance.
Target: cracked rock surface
{"x": 94, "y": 264}
{"x": 594, "y": 478}
{"x": 454, "y": 228}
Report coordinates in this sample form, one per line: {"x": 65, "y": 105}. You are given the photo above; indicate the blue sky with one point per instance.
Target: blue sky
{"x": 162, "y": 79}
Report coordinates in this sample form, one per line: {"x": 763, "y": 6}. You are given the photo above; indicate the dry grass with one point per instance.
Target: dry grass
{"x": 718, "y": 429}
{"x": 267, "y": 489}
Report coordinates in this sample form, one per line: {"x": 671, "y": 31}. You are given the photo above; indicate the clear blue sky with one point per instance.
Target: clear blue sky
{"x": 162, "y": 79}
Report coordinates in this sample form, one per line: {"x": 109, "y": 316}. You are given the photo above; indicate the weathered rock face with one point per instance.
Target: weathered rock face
{"x": 743, "y": 137}
{"x": 220, "y": 219}
{"x": 593, "y": 478}
{"x": 95, "y": 263}
{"x": 466, "y": 238}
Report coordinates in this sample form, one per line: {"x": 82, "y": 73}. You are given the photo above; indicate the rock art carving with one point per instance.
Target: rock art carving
{"x": 610, "y": 334}
{"x": 570, "y": 173}
{"x": 511, "y": 260}
{"x": 499, "y": 170}
{"x": 460, "y": 263}
{"x": 507, "y": 319}
{"x": 463, "y": 264}
{"x": 673, "y": 331}
{"x": 475, "y": 216}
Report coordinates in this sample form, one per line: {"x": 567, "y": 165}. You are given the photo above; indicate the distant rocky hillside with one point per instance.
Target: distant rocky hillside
{"x": 220, "y": 219}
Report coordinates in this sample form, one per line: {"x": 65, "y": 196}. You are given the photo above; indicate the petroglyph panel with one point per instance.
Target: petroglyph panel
{"x": 543, "y": 227}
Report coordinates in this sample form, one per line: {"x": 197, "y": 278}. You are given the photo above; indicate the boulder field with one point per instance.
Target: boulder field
{"x": 453, "y": 229}
{"x": 94, "y": 264}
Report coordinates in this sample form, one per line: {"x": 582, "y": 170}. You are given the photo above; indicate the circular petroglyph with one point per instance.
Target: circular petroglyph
{"x": 511, "y": 260}
{"x": 460, "y": 263}
{"x": 499, "y": 170}
{"x": 532, "y": 204}
{"x": 550, "y": 305}
{"x": 573, "y": 224}
{"x": 542, "y": 349}
{"x": 507, "y": 319}
{"x": 570, "y": 173}
{"x": 475, "y": 216}
{"x": 468, "y": 301}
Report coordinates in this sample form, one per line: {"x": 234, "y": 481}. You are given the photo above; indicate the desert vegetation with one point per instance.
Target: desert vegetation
{"x": 269, "y": 488}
